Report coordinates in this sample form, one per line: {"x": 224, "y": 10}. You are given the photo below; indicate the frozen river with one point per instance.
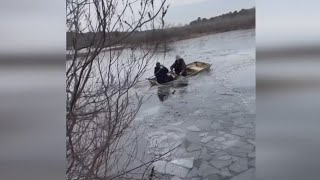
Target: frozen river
{"x": 212, "y": 118}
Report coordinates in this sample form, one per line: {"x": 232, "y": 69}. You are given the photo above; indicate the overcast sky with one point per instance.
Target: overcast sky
{"x": 40, "y": 24}
{"x": 32, "y": 25}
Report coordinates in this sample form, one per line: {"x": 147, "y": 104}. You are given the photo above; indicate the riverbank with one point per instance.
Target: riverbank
{"x": 237, "y": 20}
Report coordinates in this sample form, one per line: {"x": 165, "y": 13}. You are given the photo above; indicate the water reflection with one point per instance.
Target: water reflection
{"x": 163, "y": 92}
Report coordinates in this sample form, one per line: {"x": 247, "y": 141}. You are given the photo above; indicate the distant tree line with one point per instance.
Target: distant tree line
{"x": 230, "y": 15}
{"x": 237, "y": 20}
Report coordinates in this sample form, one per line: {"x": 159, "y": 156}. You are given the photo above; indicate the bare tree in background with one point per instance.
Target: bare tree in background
{"x": 100, "y": 77}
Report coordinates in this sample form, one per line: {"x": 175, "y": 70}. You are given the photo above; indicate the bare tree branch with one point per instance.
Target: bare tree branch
{"x": 101, "y": 103}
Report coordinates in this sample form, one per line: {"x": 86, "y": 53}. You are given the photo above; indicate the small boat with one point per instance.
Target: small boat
{"x": 192, "y": 69}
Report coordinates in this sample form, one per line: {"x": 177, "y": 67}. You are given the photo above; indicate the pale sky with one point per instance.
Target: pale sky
{"x": 39, "y": 25}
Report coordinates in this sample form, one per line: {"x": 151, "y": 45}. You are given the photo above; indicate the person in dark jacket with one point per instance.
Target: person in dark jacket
{"x": 179, "y": 66}
{"x": 161, "y": 73}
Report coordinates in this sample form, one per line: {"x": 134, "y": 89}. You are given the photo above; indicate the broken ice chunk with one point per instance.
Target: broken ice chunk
{"x": 195, "y": 179}
{"x": 230, "y": 143}
{"x": 221, "y": 153}
{"x": 203, "y": 134}
{"x": 220, "y": 139}
{"x": 252, "y": 163}
{"x": 220, "y": 163}
{"x": 178, "y": 123}
{"x": 251, "y": 141}
{"x": 193, "y": 128}
{"x": 160, "y": 166}
{"x": 240, "y": 165}
{"x": 187, "y": 162}
{"x": 251, "y": 155}
{"x": 205, "y": 169}
{"x": 206, "y": 139}
{"x": 248, "y": 125}
{"x": 240, "y": 131}
{"x": 195, "y": 154}
{"x": 224, "y": 158}
{"x": 176, "y": 178}
{"x": 234, "y": 158}
{"x": 231, "y": 136}
{"x": 165, "y": 167}
{"x": 244, "y": 145}
{"x": 238, "y": 154}
{"x": 204, "y": 151}
{"x": 215, "y": 125}
{"x": 247, "y": 175}
{"x": 193, "y": 147}
{"x": 194, "y": 172}
{"x": 225, "y": 172}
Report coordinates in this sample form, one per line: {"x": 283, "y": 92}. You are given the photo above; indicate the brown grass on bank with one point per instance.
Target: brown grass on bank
{"x": 237, "y": 20}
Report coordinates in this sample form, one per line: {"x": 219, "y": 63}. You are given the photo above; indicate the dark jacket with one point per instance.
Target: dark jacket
{"x": 161, "y": 74}
{"x": 179, "y": 66}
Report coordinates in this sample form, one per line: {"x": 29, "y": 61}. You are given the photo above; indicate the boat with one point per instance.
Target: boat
{"x": 192, "y": 69}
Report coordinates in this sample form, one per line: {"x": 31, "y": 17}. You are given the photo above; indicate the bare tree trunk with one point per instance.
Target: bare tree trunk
{"x": 101, "y": 103}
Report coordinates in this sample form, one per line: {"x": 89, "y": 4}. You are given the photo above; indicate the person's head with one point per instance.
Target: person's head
{"x": 158, "y": 64}
{"x": 178, "y": 57}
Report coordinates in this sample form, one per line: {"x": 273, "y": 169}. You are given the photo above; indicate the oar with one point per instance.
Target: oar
{"x": 150, "y": 77}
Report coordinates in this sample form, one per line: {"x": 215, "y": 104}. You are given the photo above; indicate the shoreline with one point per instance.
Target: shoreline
{"x": 69, "y": 56}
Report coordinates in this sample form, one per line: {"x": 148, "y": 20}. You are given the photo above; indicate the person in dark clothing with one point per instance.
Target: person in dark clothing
{"x": 179, "y": 66}
{"x": 161, "y": 74}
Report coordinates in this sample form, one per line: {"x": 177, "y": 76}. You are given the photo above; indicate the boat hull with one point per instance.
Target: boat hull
{"x": 192, "y": 69}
